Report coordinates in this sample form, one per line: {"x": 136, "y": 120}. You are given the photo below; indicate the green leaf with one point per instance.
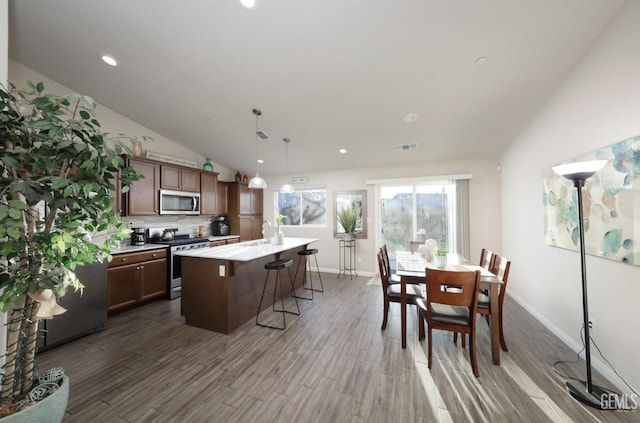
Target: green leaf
{"x": 13, "y": 233}
{"x": 40, "y": 87}
{"x": 15, "y": 214}
{"x": 84, "y": 114}
{"x": 17, "y": 204}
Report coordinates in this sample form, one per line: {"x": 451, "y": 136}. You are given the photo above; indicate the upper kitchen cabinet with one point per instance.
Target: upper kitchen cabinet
{"x": 244, "y": 200}
{"x": 142, "y": 198}
{"x": 179, "y": 178}
{"x": 245, "y": 211}
{"x": 223, "y": 198}
{"x": 209, "y": 194}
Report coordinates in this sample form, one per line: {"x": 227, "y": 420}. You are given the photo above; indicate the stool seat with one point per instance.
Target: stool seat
{"x": 308, "y": 252}
{"x": 278, "y": 264}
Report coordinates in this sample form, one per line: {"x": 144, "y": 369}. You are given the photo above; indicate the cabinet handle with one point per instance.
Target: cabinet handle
{"x": 141, "y": 267}
{"x": 138, "y": 268}
{"x": 153, "y": 255}
{"x": 123, "y": 259}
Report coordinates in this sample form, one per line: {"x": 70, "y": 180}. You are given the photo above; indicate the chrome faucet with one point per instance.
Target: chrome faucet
{"x": 266, "y": 234}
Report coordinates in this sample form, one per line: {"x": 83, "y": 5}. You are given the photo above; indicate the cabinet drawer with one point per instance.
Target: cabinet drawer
{"x": 129, "y": 258}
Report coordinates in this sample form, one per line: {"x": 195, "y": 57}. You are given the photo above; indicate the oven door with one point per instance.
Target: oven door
{"x": 178, "y": 202}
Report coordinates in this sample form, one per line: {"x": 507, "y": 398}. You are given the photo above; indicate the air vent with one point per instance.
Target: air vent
{"x": 403, "y": 147}
{"x": 262, "y": 135}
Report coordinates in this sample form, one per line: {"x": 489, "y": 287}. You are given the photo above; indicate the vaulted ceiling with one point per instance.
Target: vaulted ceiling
{"x": 459, "y": 78}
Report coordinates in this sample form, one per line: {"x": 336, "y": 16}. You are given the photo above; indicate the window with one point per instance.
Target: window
{"x": 305, "y": 207}
{"x": 416, "y": 211}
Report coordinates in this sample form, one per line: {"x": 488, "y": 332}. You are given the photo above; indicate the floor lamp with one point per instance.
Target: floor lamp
{"x": 584, "y": 391}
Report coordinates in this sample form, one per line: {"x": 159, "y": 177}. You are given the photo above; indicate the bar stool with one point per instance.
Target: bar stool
{"x": 307, "y": 253}
{"x": 277, "y": 265}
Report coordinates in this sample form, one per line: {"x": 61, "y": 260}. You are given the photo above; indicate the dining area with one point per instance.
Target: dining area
{"x": 448, "y": 295}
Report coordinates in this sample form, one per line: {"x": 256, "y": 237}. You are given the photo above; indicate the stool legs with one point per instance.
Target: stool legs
{"x": 273, "y": 307}
{"x": 307, "y": 268}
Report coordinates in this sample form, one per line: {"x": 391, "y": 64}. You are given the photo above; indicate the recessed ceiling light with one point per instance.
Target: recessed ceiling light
{"x": 109, "y": 60}
{"x": 260, "y": 161}
{"x": 343, "y": 151}
{"x": 249, "y": 4}
{"x": 481, "y": 60}
{"x": 409, "y": 118}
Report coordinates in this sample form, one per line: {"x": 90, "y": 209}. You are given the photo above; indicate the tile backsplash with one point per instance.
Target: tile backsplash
{"x": 185, "y": 224}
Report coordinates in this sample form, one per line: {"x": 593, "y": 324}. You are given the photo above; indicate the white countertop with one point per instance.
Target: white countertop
{"x": 247, "y": 250}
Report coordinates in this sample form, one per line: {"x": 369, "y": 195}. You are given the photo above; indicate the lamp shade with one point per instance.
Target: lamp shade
{"x": 579, "y": 170}
{"x": 257, "y": 182}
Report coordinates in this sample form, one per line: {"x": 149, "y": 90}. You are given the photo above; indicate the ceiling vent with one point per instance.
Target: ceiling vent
{"x": 402, "y": 147}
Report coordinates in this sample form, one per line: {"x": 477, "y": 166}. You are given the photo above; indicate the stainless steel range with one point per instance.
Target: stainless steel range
{"x": 178, "y": 243}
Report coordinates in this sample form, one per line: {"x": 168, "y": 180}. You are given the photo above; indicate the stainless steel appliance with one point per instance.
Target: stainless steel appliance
{"x": 220, "y": 227}
{"x": 86, "y": 311}
{"x": 139, "y": 236}
{"x": 180, "y": 242}
{"x": 179, "y": 202}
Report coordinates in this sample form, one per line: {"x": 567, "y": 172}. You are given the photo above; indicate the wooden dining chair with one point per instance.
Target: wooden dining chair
{"x": 453, "y": 311}
{"x": 486, "y": 258}
{"x": 391, "y": 292}
{"x": 393, "y": 278}
{"x": 500, "y": 267}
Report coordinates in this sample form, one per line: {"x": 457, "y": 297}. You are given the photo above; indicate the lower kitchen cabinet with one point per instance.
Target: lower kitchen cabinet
{"x": 134, "y": 278}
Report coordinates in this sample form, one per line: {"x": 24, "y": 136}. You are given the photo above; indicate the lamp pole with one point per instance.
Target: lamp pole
{"x": 584, "y": 391}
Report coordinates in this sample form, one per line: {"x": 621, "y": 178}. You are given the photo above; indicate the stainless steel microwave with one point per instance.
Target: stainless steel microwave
{"x": 179, "y": 202}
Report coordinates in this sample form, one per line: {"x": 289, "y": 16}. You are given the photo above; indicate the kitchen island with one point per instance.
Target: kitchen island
{"x": 221, "y": 286}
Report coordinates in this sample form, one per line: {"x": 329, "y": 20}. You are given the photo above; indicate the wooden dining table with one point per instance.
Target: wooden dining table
{"x": 411, "y": 269}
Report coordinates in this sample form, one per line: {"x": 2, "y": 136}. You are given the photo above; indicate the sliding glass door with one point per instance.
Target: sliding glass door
{"x": 424, "y": 210}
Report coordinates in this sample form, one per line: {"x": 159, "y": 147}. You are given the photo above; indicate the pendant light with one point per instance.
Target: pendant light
{"x": 287, "y": 188}
{"x": 257, "y": 182}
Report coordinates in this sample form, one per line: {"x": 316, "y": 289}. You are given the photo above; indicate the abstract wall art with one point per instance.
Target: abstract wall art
{"x": 611, "y": 202}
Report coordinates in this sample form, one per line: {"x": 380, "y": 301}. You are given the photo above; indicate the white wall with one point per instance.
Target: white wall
{"x": 113, "y": 122}
{"x": 484, "y": 204}
{"x": 598, "y": 104}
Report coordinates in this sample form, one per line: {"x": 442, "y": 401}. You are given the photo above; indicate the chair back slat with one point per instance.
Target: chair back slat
{"x": 440, "y": 282}
{"x": 384, "y": 272}
{"x": 486, "y": 258}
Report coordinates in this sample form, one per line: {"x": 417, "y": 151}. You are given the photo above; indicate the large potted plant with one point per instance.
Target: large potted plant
{"x": 58, "y": 171}
{"x": 349, "y": 219}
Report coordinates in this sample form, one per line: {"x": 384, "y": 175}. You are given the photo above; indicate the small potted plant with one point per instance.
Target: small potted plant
{"x": 349, "y": 219}
{"x": 440, "y": 257}
{"x": 58, "y": 172}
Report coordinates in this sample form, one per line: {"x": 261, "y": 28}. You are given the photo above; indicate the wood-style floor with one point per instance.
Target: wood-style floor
{"x": 331, "y": 364}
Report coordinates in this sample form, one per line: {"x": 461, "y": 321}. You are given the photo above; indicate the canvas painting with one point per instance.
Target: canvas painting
{"x": 611, "y": 205}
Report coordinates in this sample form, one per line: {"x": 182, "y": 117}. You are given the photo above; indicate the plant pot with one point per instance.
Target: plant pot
{"x": 348, "y": 237}
{"x": 440, "y": 261}
{"x": 50, "y": 410}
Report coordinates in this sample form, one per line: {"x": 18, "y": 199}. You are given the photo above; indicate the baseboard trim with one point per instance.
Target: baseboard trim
{"x": 596, "y": 363}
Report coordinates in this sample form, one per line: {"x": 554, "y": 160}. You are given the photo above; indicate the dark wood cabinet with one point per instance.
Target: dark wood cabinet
{"x": 245, "y": 211}
{"x": 116, "y": 195}
{"x": 179, "y": 178}
{"x": 223, "y": 198}
{"x": 142, "y": 198}
{"x": 134, "y": 278}
{"x": 209, "y": 193}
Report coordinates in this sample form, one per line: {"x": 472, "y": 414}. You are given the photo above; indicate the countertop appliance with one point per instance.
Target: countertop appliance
{"x": 220, "y": 227}
{"x": 179, "y": 242}
{"x": 179, "y": 202}
{"x": 139, "y": 236}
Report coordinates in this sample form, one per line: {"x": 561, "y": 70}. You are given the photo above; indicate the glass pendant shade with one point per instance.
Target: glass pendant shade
{"x": 257, "y": 182}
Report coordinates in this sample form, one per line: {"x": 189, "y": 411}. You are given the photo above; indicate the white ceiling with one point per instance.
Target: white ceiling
{"x": 328, "y": 74}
